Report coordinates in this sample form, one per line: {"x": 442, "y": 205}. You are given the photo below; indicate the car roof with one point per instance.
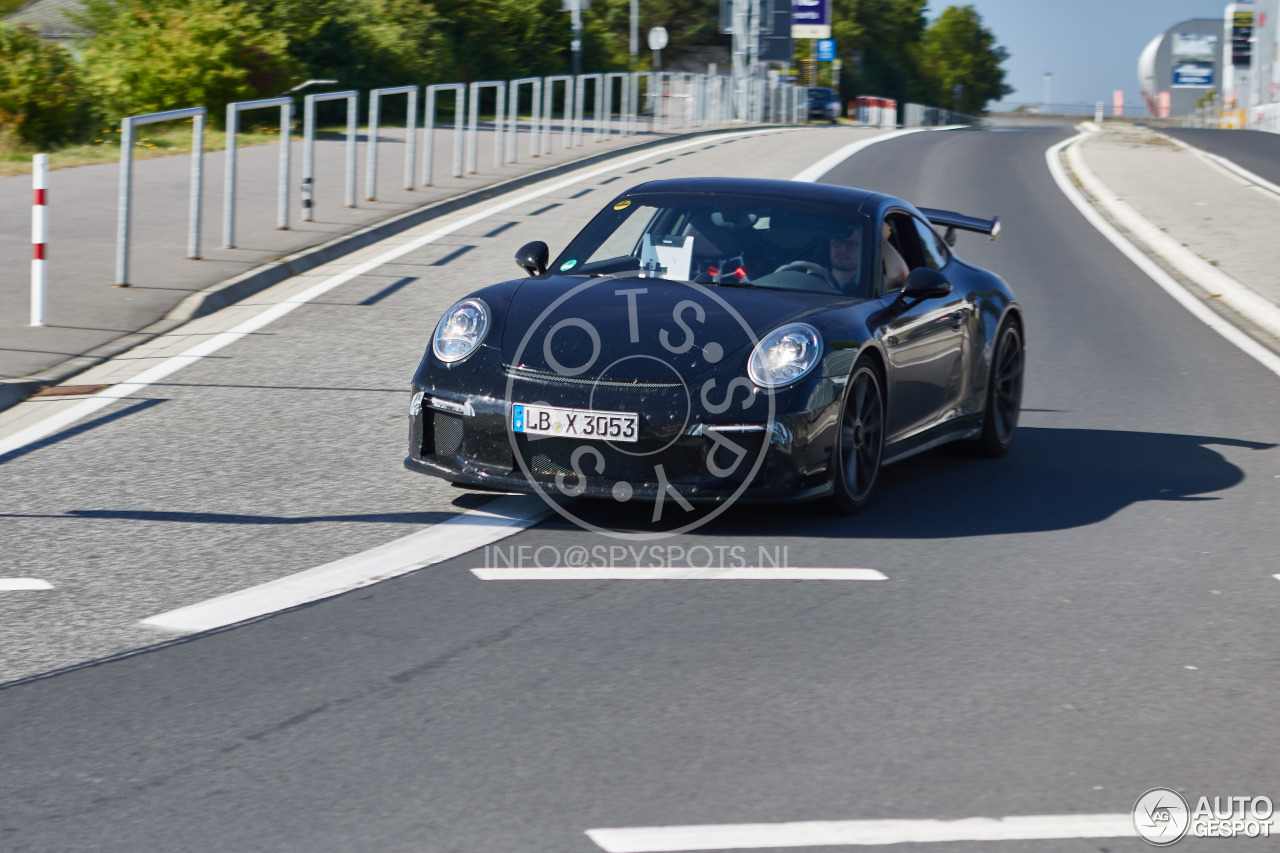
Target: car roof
{"x": 795, "y": 190}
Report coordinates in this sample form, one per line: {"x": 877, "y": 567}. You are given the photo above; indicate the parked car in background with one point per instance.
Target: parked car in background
{"x": 824, "y": 104}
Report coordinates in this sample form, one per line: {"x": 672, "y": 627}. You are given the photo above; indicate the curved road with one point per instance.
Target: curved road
{"x": 1092, "y": 616}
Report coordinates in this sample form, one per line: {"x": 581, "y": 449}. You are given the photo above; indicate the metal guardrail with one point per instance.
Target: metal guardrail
{"x": 352, "y": 98}
{"x": 127, "y": 125}
{"x": 473, "y": 121}
{"x": 669, "y": 101}
{"x": 411, "y": 137}
{"x": 429, "y": 124}
{"x": 229, "y": 178}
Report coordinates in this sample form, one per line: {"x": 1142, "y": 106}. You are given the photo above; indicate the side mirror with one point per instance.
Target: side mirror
{"x": 532, "y": 257}
{"x": 925, "y": 283}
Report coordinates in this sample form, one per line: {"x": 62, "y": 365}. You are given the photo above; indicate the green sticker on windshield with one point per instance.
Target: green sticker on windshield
{"x": 568, "y": 265}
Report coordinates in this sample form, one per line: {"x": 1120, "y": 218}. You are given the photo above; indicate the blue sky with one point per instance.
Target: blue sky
{"x": 1090, "y": 46}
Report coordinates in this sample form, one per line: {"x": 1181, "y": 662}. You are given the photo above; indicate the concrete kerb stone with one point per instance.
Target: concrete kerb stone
{"x": 240, "y": 287}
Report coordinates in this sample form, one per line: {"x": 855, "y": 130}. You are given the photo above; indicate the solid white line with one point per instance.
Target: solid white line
{"x": 644, "y": 573}
{"x": 1180, "y": 294}
{"x": 272, "y": 313}
{"x": 826, "y": 164}
{"x": 497, "y": 520}
{"x": 748, "y": 836}
{"x": 1221, "y": 162}
{"x": 16, "y": 584}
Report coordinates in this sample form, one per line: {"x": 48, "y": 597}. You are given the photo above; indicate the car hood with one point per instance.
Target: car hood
{"x": 614, "y": 328}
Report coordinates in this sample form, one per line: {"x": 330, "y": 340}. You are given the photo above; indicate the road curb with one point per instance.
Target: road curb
{"x": 240, "y": 287}
{"x": 1235, "y": 294}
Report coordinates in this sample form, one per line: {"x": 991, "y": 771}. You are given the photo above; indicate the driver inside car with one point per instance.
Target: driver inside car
{"x": 845, "y": 256}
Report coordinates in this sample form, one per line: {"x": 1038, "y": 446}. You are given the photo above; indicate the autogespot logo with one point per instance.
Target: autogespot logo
{"x": 601, "y": 440}
{"x": 1161, "y": 816}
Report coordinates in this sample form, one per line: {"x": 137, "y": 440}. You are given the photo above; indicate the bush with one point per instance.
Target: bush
{"x": 43, "y": 100}
{"x": 152, "y": 56}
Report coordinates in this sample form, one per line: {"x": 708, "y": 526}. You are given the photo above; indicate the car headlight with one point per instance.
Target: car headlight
{"x": 461, "y": 330}
{"x": 785, "y": 355}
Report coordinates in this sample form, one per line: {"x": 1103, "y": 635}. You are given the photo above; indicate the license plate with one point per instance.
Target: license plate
{"x": 575, "y": 423}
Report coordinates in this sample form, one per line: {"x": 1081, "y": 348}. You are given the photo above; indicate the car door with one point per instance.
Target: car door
{"x": 924, "y": 338}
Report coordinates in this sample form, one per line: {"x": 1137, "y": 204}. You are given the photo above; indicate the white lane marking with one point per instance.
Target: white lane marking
{"x": 748, "y": 573}
{"x": 1234, "y": 169}
{"x": 1244, "y": 300}
{"x": 497, "y": 520}
{"x": 826, "y": 164}
{"x": 268, "y": 315}
{"x": 823, "y": 833}
{"x": 17, "y": 584}
{"x": 1184, "y": 297}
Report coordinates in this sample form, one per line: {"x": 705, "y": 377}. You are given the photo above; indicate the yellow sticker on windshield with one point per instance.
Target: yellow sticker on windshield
{"x": 622, "y": 205}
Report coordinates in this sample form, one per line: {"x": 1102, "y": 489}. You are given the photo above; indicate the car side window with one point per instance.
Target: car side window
{"x": 935, "y": 251}
{"x": 900, "y": 251}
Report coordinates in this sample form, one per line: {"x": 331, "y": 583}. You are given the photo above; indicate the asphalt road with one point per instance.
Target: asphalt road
{"x": 1061, "y": 630}
{"x": 1255, "y": 150}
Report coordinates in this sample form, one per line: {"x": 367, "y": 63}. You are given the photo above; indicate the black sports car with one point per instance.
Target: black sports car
{"x": 710, "y": 339}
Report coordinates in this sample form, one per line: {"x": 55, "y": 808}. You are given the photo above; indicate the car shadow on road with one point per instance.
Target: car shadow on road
{"x": 1052, "y": 479}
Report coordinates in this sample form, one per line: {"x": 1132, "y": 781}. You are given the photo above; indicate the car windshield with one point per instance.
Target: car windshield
{"x": 819, "y": 94}
{"x": 727, "y": 240}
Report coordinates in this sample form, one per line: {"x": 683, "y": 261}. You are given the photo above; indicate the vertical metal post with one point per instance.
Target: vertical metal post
{"x": 197, "y": 187}
{"x": 498, "y": 116}
{"x": 39, "y": 235}
{"x": 457, "y": 132}
{"x": 353, "y": 107}
{"x": 229, "y": 181}
{"x": 579, "y": 95}
{"x": 282, "y": 185}
{"x": 410, "y": 138}
{"x": 126, "y": 193}
{"x": 308, "y": 157}
{"x": 371, "y": 148}
{"x": 598, "y": 136}
{"x": 473, "y": 123}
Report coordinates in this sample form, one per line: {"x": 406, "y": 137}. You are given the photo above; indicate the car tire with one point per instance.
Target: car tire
{"x": 1004, "y": 391}
{"x": 859, "y": 447}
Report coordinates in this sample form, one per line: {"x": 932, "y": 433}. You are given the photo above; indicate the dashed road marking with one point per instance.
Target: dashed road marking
{"x": 20, "y": 584}
{"x": 498, "y": 519}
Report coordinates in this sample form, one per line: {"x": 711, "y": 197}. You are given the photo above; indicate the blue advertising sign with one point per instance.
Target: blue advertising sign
{"x": 811, "y": 12}
{"x": 1193, "y": 74}
{"x": 811, "y": 19}
{"x": 826, "y": 50}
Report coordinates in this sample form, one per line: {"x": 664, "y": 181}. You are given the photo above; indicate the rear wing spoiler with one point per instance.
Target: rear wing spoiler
{"x": 952, "y": 221}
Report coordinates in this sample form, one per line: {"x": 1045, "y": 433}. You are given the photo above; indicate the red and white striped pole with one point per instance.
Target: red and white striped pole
{"x": 39, "y": 233}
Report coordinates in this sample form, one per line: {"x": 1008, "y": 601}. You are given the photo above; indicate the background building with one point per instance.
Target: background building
{"x": 1181, "y": 66}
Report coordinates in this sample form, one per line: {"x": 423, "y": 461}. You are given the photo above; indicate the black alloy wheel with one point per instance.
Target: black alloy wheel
{"x": 860, "y": 443}
{"x": 1004, "y": 392}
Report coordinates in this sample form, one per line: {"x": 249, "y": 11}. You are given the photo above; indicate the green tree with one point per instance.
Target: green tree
{"x": 360, "y": 43}
{"x": 959, "y": 51}
{"x": 154, "y": 55}
{"x": 43, "y": 100}
{"x": 879, "y": 42}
